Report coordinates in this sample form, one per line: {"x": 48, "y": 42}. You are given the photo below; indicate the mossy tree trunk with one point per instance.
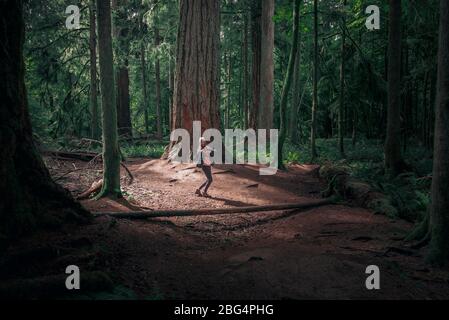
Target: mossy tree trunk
{"x": 111, "y": 154}
{"x": 30, "y": 198}
{"x": 288, "y": 82}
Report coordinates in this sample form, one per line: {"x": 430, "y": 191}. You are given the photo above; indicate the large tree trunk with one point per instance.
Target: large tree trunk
{"x": 393, "y": 158}
{"x": 94, "y": 112}
{"x": 196, "y": 92}
{"x": 111, "y": 154}
{"x": 341, "y": 104}
{"x": 287, "y": 82}
{"x": 315, "y": 82}
{"x": 439, "y": 209}
{"x": 255, "y": 34}
{"x": 122, "y": 73}
{"x": 30, "y": 199}
{"x": 157, "y": 73}
{"x": 267, "y": 66}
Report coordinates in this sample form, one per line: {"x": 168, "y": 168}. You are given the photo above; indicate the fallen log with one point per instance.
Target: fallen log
{"x": 141, "y": 215}
{"x": 83, "y": 156}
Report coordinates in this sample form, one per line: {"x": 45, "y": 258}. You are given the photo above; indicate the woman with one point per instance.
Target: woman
{"x": 205, "y": 163}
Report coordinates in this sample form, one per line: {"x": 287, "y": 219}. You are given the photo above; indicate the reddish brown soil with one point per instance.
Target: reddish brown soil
{"x": 321, "y": 253}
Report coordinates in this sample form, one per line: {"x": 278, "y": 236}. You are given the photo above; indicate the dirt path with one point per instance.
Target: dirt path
{"x": 320, "y": 253}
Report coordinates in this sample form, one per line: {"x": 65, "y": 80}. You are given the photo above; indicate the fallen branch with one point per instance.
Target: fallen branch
{"x": 95, "y": 187}
{"x": 139, "y": 215}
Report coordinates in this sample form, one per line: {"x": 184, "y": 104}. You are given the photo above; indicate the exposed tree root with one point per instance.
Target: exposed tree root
{"x": 139, "y": 215}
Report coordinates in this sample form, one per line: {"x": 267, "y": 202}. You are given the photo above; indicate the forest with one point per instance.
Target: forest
{"x": 357, "y": 92}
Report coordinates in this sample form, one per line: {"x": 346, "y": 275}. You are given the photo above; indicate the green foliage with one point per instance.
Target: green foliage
{"x": 152, "y": 150}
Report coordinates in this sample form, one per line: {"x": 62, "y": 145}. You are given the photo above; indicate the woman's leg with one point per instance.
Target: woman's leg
{"x": 205, "y": 182}
{"x": 208, "y": 172}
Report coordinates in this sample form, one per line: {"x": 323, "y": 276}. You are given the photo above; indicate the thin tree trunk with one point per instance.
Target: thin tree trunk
{"x": 228, "y": 94}
{"x": 267, "y": 66}
{"x": 157, "y": 72}
{"x": 315, "y": 83}
{"x": 111, "y": 154}
{"x": 296, "y": 94}
{"x": 122, "y": 73}
{"x": 94, "y": 112}
{"x": 143, "y": 66}
{"x": 393, "y": 158}
{"x": 287, "y": 83}
{"x": 439, "y": 213}
{"x": 256, "y": 50}
{"x": 341, "y": 106}
{"x": 245, "y": 72}
{"x": 30, "y": 198}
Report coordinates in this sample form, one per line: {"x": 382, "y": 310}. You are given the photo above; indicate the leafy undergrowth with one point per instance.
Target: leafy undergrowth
{"x": 408, "y": 192}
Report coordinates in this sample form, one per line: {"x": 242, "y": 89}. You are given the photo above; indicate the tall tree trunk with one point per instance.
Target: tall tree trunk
{"x": 296, "y": 94}
{"x": 196, "y": 92}
{"x": 256, "y": 50}
{"x": 171, "y": 85}
{"x": 94, "y": 112}
{"x": 122, "y": 73}
{"x": 245, "y": 72}
{"x": 30, "y": 199}
{"x": 341, "y": 106}
{"x": 111, "y": 155}
{"x": 228, "y": 94}
{"x": 439, "y": 213}
{"x": 393, "y": 158}
{"x": 266, "y": 66}
{"x": 157, "y": 73}
{"x": 143, "y": 66}
{"x": 315, "y": 82}
{"x": 287, "y": 83}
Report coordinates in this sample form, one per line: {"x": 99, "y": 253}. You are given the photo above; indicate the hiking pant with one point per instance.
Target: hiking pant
{"x": 208, "y": 172}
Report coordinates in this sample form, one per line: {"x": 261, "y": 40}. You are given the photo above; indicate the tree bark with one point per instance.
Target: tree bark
{"x": 157, "y": 74}
{"x": 111, "y": 153}
{"x": 94, "y": 112}
{"x": 245, "y": 73}
{"x": 287, "y": 83}
{"x": 256, "y": 51}
{"x": 266, "y": 66}
{"x": 296, "y": 95}
{"x": 439, "y": 213}
{"x": 341, "y": 105}
{"x": 315, "y": 82}
{"x": 196, "y": 92}
{"x": 143, "y": 66}
{"x": 393, "y": 157}
{"x": 122, "y": 73}
{"x": 30, "y": 199}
